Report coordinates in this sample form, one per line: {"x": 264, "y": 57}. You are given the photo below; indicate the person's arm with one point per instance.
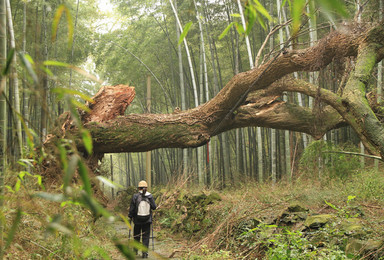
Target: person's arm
{"x": 132, "y": 208}
{"x": 152, "y": 202}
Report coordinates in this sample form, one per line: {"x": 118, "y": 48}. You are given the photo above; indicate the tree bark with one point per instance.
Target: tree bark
{"x": 252, "y": 99}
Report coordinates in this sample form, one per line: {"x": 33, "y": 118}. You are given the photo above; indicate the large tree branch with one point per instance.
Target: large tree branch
{"x": 336, "y": 45}
{"x": 195, "y": 127}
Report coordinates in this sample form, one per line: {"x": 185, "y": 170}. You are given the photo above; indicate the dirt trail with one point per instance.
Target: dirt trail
{"x": 162, "y": 248}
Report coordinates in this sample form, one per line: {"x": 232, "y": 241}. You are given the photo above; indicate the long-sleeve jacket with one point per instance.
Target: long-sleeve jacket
{"x": 134, "y": 206}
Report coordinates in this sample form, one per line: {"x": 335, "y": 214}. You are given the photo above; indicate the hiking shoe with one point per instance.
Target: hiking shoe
{"x": 145, "y": 255}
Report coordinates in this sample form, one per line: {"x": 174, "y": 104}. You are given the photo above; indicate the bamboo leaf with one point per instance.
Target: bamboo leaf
{"x": 87, "y": 139}
{"x": 93, "y": 205}
{"x": 331, "y": 205}
{"x": 25, "y": 162}
{"x": 185, "y": 32}
{"x": 125, "y": 221}
{"x": 260, "y": 9}
{"x": 17, "y": 185}
{"x": 9, "y": 62}
{"x": 72, "y": 92}
{"x": 47, "y": 71}
{"x": 12, "y": 231}
{"x": 337, "y": 6}
{"x": 261, "y": 22}
{"x": 56, "y": 226}
{"x": 56, "y": 63}
{"x": 28, "y": 64}
{"x": 39, "y": 181}
{"x": 63, "y": 157}
{"x": 80, "y": 106}
{"x": 9, "y": 188}
{"x": 284, "y": 2}
{"x": 89, "y": 253}
{"x": 70, "y": 171}
{"x": 239, "y": 28}
{"x": 236, "y": 15}
{"x": 108, "y": 182}
{"x": 59, "y": 227}
{"x": 226, "y": 30}
{"x": 137, "y": 245}
{"x": 55, "y": 197}
{"x": 56, "y": 20}
{"x": 251, "y": 14}
{"x": 124, "y": 250}
{"x": 74, "y": 68}
{"x": 296, "y": 11}
{"x": 84, "y": 177}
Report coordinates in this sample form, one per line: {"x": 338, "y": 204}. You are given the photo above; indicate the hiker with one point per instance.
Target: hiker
{"x": 140, "y": 212}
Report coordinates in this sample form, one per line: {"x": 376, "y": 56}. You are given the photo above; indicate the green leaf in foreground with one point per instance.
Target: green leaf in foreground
{"x": 93, "y": 205}
{"x": 28, "y": 64}
{"x": 9, "y": 62}
{"x": 55, "y": 197}
{"x": 109, "y": 183}
{"x": 12, "y": 231}
{"x": 87, "y": 140}
{"x": 70, "y": 169}
{"x": 185, "y": 32}
{"x": 226, "y": 30}
{"x": 56, "y": 20}
{"x": 335, "y": 6}
{"x": 84, "y": 177}
{"x": 297, "y": 9}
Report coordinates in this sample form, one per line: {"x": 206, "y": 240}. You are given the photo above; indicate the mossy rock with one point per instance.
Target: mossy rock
{"x": 364, "y": 247}
{"x": 296, "y": 207}
{"x": 353, "y": 227}
{"x": 317, "y": 221}
{"x": 214, "y": 196}
{"x": 293, "y": 214}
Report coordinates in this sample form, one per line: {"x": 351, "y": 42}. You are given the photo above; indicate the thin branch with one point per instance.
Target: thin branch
{"x": 358, "y": 154}
{"x": 274, "y": 29}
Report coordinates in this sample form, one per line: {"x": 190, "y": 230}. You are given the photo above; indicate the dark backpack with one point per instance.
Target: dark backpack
{"x": 143, "y": 209}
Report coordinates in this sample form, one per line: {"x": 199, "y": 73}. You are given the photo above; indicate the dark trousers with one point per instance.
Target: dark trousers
{"x": 142, "y": 230}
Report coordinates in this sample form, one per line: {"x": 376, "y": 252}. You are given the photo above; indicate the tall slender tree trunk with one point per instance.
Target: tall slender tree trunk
{"x": 182, "y": 92}
{"x": 246, "y": 36}
{"x": 313, "y": 75}
{"x": 287, "y": 149}
{"x": 25, "y": 94}
{"x": 273, "y": 131}
{"x": 200, "y": 151}
{"x": 73, "y": 43}
{"x": 148, "y": 156}
{"x": 214, "y": 166}
{"x": 258, "y": 129}
{"x": 15, "y": 80}
{"x": 3, "y": 115}
{"x": 379, "y": 73}
{"x": 44, "y": 90}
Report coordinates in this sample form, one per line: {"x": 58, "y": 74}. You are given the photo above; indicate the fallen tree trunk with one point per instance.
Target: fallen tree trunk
{"x": 258, "y": 91}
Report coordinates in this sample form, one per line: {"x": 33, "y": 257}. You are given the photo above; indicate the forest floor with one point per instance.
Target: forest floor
{"x": 158, "y": 249}
{"x": 245, "y": 221}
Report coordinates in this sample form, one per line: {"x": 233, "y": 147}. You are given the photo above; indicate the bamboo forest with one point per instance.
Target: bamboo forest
{"x": 191, "y": 129}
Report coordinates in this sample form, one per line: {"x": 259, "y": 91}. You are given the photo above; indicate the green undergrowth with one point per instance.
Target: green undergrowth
{"x": 310, "y": 218}
{"x": 256, "y": 221}
{"x": 37, "y": 228}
